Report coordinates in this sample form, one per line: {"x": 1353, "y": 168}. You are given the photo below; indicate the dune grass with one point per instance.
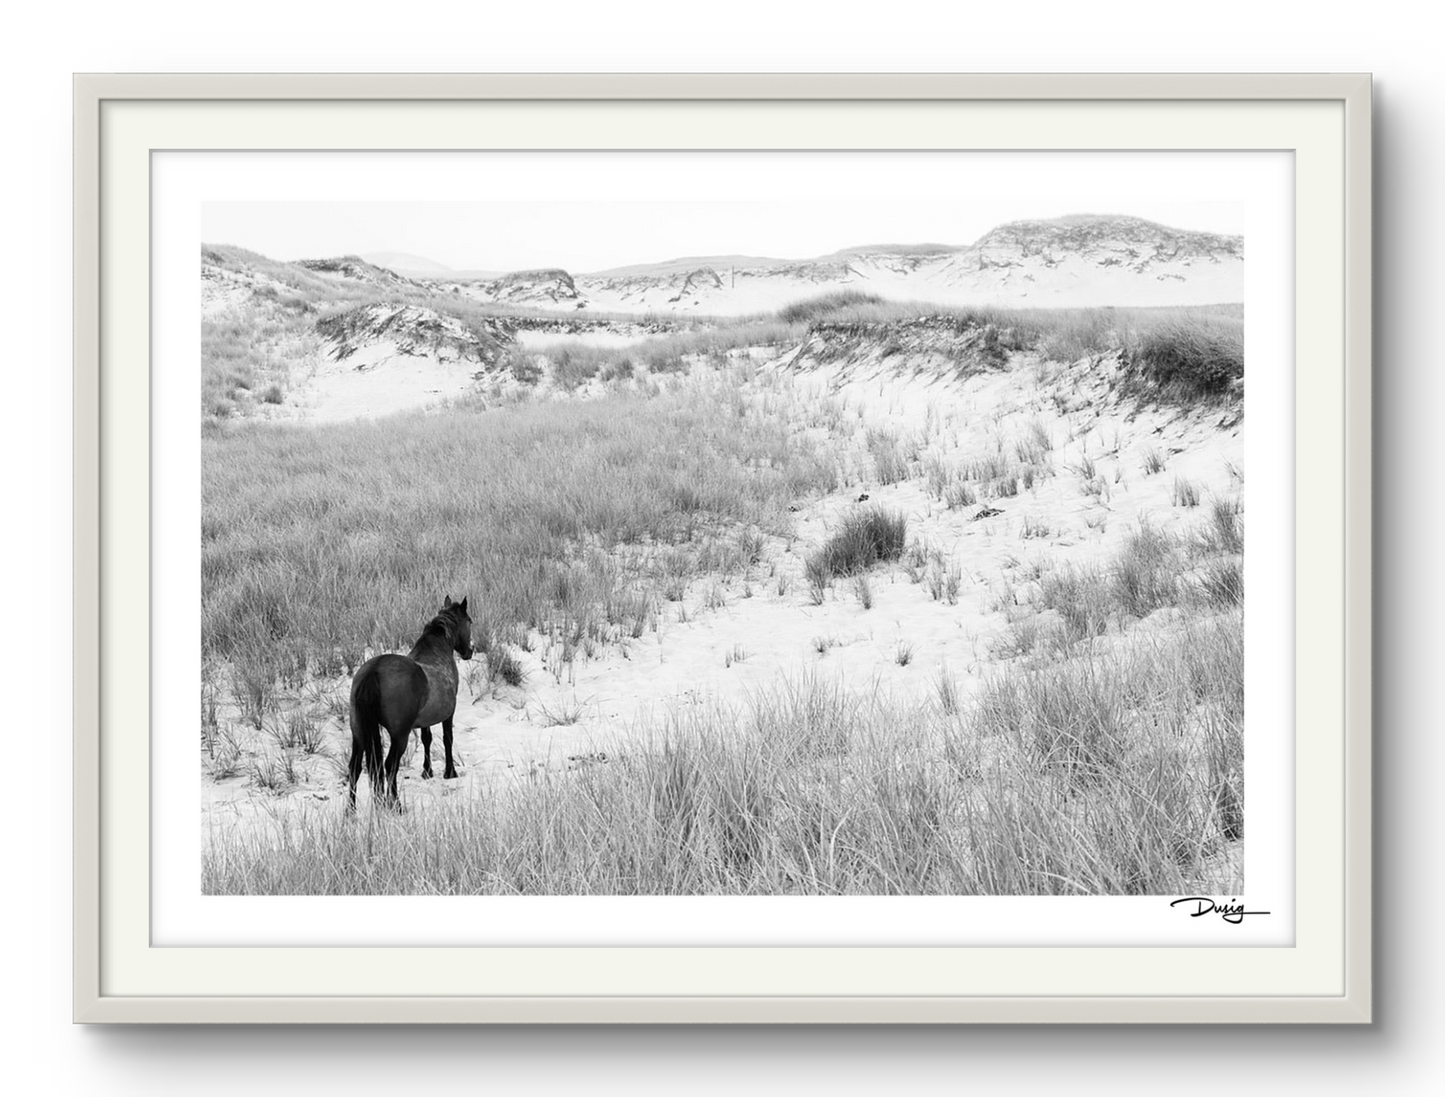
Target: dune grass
{"x": 1199, "y": 569}
{"x": 322, "y": 543}
{"x": 827, "y": 306}
{"x": 573, "y": 364}
{"x": 865, "y": 537}
{"x": 892, "y": 454}
{"x": 1117, "y": 772}
{"x": 1181, "y": 355}
{"x": 1185, "y": 359}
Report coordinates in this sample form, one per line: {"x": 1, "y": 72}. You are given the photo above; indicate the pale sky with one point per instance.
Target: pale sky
{"x": 594, "y": 235}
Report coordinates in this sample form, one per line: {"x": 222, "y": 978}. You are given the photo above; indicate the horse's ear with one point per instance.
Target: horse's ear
{"x": 464, "y": 603}
{"x": 448, "y": 603}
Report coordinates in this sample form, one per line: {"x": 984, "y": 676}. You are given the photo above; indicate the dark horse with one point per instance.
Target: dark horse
{"x": 401, "y": 692}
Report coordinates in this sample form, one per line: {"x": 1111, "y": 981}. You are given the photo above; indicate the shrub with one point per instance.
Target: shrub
{"x": 501, "y": 663}
{"x": 523, "y": 366}
{"x": 867, "y": 537}
{"x": 814, "y": 308}
{"x": 573, "y": 365}
{"x": 620, "y": 370}
{"x": 1186, "y": 360}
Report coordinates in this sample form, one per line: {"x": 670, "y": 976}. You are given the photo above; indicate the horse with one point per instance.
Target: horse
{"x": 402, "y": 692}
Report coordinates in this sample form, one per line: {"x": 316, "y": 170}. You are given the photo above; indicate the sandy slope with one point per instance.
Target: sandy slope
{"x": 223, "y": 289}
{"x": 378, "y": 380}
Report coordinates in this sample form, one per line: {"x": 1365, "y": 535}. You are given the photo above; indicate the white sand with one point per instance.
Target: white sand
{"x": 378, "y": 380}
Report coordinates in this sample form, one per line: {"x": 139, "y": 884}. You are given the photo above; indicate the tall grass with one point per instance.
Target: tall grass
{"x": 249, "y": 349}
{"x": 827, "y": 306}
{"x": 1111, "y": 774}
{"x": 322, "y": 543}
{"x": 865, "y": 537}
{"x": 1150, "y": 570}
{"x": 1064, "y": 334}
{"x": 573, "y": 364}
{"x": 891, "y": 455}
{"x": 1178, "y": 355}
{"x": 1186, "y": 359}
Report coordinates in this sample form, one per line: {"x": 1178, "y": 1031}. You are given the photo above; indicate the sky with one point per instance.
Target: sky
{"x": 584, "y": 236}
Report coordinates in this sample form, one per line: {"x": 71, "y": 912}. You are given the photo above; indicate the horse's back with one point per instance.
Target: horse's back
{"x": 401, "y": 689}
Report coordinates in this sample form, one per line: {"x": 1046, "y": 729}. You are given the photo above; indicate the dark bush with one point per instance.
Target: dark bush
{"x": 815, "y": 308}
{"x": 866, "y": 537}
{"x": 1186, "y": 361}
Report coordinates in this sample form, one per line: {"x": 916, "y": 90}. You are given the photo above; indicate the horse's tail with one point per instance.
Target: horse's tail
{"x": 366, "y": 721}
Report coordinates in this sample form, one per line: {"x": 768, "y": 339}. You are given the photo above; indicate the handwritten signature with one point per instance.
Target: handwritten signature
{"x": 1232, "y": 912}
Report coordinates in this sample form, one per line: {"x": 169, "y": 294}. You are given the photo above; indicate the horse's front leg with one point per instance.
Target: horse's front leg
{"x": 426, "y": 754}
{"x": 451, "y": 770}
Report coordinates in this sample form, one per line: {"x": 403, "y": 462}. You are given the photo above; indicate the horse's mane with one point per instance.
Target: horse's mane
{"x": 445, "y": 622}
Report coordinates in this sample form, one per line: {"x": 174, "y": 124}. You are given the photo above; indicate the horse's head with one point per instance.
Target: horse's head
{"x": 458, "y": 611}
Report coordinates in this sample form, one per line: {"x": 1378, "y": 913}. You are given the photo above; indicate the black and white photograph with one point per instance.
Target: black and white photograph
{"x": 718, "y": 548}
{"x": 699, "y": 557}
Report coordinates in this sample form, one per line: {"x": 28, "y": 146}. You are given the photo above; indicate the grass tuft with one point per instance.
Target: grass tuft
{"x": 866, "y": 537}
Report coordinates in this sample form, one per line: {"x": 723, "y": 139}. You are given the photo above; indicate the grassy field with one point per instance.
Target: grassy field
{"x": 1096, "y": 758}
{"x": 573, "y": 518}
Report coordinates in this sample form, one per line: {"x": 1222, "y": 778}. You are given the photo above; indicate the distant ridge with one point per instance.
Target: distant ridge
{"x": 1081, "y": 260}
{"x": 406, "y": 263}
{"x": 687, "y": 263}
{"x": 894, "y": 249}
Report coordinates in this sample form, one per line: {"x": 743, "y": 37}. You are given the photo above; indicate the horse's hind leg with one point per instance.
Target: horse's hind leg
{"x": 393, "y": 764}
{"x": 451, "y": 770}
{"x": 426, "y": 754}
{"x": 374, "y": 768}
{"x": 358, "y": 755}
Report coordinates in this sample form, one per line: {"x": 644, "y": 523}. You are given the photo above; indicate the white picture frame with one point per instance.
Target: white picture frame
{"x": 1323, "y": 120}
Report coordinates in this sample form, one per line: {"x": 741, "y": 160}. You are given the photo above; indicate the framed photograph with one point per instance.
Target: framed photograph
{"x": 722, "y": 548}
